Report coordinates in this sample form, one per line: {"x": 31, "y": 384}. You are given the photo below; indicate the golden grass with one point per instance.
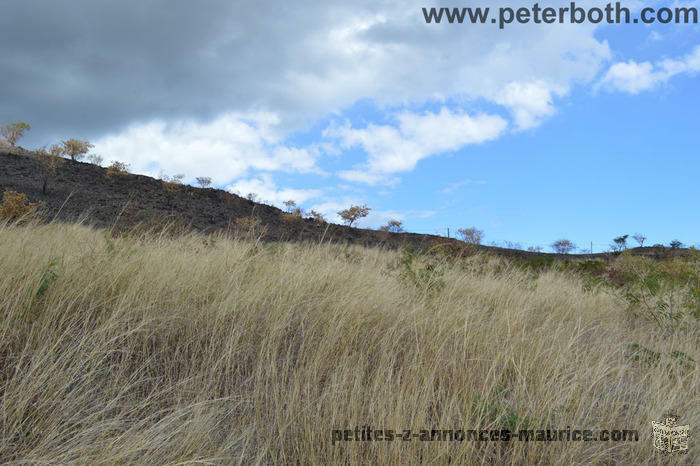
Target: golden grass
{"x": 205, "y": 349}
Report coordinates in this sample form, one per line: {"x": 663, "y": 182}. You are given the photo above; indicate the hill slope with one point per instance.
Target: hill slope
{"x": 81, "y": 190}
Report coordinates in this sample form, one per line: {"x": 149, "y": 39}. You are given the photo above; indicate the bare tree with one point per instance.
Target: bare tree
{"x": 203, "y": 181}
{"x": 95, "y": 159}
{"x": 471, "y": 235}
{"x": 354, "y": 213}
{"x": 317, "y": 216}
{"x": 50, "y": 161}
{"x": 563, "y": 246}
{"x": 13, "y": 132}
{"x": 640, "y": 238}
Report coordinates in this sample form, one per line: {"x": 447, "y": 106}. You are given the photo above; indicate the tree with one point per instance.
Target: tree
{"x": 394, "y": 226}
{"x": 535, "y": 249}
{"x": 76, "y": 149}
{"x": 675, "y": 244}
{"x": 95, "y": 159}
{"x": 620, "y": 243}
{"x": 50, "y": 161}
{"x": 290, "y": 205}
{"x": 640, "y": 238}
{"x": 14, "y": 131}
{"x": 354, "y": 213}
{"x": 563, "y": 246}
{"x": 317, "y": 216}
{"x": 471, "y": 235}
{"x": 203, "y": 181}
{"x": 512, "y": 245}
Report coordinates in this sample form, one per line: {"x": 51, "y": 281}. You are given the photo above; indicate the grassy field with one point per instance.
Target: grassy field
{"x": 154, "y": 349}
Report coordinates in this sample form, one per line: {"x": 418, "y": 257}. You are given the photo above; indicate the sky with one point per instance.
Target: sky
{"x": 531, "y": 133}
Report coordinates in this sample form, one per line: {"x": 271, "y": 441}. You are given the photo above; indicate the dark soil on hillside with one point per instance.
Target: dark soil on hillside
{"x": 82, "y": 192}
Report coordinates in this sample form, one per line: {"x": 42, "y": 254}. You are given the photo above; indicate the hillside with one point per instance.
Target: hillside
{"x": 82, "y": 191}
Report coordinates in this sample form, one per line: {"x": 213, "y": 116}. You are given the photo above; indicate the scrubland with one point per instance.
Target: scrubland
{"x": 153, "y": 349}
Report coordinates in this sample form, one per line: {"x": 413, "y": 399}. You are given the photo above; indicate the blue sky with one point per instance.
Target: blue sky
{"x": 532, "y": 133}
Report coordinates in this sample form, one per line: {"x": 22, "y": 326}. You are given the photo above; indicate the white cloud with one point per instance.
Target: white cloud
{"x": 398, "y": 149}
{"x": 266, "y": 190}
{"x": 233, "y": 60}
{"x": 223, "y": 149}
{"x": 529, "y": 102}
{"x": 632, "y": 77}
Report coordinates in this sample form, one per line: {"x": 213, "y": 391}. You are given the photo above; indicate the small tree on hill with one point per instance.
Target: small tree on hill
{"x": 620, "y": 243}
{"x": 116, "y": 168}
{"x": 50, "y": 161}
{"x": 290, "y": 205}
{"x": 640, "y": 238}
{"x": 76, "y": 149}
{"x": 95, "y": 159}
{"x": 172, "y": 183}
{"x": 203, "y": 181}
{"x": 563, "y": 246}
{"x": 471, "y": 235}
{"x": 675, "y": 244}
{"x": 13, "y": 132}
{"x": 317, "y": 216}
{"x": 393, "y": 226}
{"x": 354, "y": 213}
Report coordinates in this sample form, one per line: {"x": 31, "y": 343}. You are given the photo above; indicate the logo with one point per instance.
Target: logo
{"x": 669, "y": 437}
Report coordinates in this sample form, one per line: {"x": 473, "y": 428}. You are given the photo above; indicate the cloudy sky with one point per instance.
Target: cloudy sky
{"x": 532, "y": 132}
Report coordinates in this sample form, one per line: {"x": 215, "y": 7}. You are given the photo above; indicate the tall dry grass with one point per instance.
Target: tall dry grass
{"x": 205, "y": 349}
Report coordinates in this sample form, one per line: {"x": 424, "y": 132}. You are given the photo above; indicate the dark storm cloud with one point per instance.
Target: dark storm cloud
{"x": 87, "y": 66}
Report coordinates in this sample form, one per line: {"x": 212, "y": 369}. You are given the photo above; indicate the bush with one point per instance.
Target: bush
{"x": 663, "y": 292}
{"x": 394, "y": 226}
{"x": 172, "y": 183}
{"x": 15, "y": 206}
{"x": 471, "y": 235}
{"x": 14, "y": 131}
{"x": 117, "y": 168}
{"x": 249, "y": 227}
